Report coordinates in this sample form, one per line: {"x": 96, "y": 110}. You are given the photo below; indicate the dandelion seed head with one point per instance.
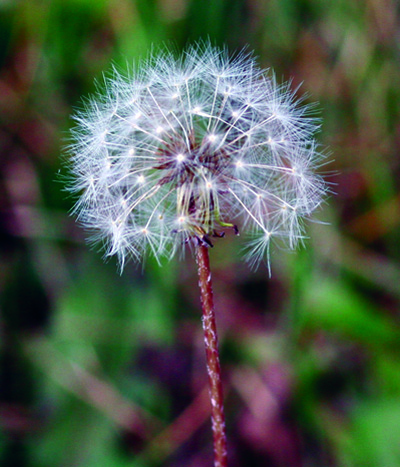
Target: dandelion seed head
{"x": 184, "y": 149}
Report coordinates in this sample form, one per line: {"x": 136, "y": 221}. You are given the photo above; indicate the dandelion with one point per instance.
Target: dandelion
{"x": 186, "y": 149}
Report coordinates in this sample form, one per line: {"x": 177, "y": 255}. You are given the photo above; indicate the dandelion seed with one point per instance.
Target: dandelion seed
{"x": 191, "y": 147}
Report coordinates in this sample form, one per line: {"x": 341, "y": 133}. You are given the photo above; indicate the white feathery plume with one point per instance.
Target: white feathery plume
{"x": 183, "y": 149}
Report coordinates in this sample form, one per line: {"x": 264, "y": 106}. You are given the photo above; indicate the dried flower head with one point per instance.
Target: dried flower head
{"x": 184, "y": 149}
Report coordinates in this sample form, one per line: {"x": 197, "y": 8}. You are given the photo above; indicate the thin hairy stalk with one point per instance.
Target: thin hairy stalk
{"x": 212, "y": 357}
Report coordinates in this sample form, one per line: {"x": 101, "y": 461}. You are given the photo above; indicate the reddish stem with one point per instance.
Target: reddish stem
{"x": 212, "y": 357}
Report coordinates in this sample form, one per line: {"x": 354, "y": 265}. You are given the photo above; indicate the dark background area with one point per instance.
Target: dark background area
{"x": 98, "y": 369}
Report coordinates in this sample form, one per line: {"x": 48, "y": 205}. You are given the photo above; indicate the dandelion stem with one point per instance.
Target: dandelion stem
{"x": 212, "y": 357}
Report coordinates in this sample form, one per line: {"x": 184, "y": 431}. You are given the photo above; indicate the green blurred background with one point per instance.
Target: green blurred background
{"x": 98, "y": 369}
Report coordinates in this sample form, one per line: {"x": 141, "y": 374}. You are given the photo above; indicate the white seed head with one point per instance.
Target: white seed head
{"x": 183, "y": 149}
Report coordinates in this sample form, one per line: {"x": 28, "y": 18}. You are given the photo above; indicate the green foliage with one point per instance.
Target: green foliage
{"x": 98, "y": 369}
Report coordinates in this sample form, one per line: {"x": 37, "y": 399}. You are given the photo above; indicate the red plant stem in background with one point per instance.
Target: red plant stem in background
{"x": 212, "y": 357}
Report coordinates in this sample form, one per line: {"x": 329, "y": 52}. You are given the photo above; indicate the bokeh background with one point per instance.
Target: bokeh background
{"x": 98, "y": 369}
